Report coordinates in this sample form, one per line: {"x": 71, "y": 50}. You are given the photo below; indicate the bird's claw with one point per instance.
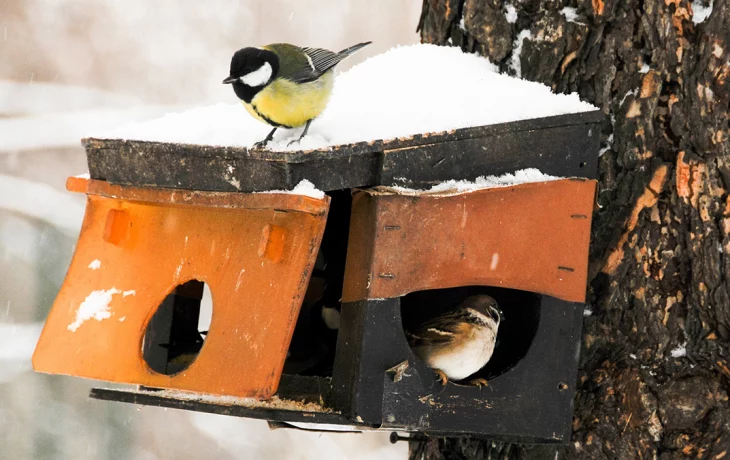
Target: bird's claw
{"x": 442, "y": 376}
{"x": 260, "y": 145}
{"x": 293, "y": 141}
{"x": 480, "y": 382}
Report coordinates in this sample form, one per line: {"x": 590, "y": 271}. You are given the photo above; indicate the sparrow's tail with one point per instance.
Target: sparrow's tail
{"x": 348, "y": 51}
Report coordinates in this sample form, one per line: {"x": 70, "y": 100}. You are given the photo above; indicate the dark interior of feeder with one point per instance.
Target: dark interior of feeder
{"x": 176, "y": 332}
{"x": 312, "y": 349}
{"x": 517, "y": 329}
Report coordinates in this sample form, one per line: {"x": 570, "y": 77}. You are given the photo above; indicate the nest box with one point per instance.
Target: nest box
{"x": 162, "y": 220}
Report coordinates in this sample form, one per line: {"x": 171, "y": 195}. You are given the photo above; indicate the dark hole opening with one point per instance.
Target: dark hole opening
{"x": 521, "y": 318}
{"x": 312, "y": 349}
{"x": 177, "y": 330}
{"x": 582, "y": 164}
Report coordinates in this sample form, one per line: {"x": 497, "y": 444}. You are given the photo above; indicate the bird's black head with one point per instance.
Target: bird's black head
{"x": 251, "y": 70}
{"x": 486, "y": 305}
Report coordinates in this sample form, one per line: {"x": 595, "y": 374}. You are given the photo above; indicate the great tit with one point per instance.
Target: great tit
{"x": 284, "y": 85}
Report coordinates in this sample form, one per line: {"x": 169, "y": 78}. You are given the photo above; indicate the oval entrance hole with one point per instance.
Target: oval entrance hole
{"x": 176, "y": 333}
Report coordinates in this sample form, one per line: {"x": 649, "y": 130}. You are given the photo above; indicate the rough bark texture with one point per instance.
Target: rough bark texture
{"x": 655, "y": 358}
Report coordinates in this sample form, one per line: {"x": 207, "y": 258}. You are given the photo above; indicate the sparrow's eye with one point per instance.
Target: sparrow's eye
{"x": 494, "y": 313}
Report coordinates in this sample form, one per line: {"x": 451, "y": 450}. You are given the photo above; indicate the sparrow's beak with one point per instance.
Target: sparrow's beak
{"x": 229, "y": 80}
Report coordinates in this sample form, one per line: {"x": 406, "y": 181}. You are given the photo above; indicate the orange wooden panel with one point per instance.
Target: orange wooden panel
{"x": 255, "y": 251}
{"x": 533, "y": 237}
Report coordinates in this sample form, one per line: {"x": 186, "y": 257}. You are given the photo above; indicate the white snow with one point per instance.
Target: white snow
{"x": 83, "y": 176}
{"x": 523, "y": 176}
{"x": 700, "y": 13}
{"x": 398, "y": 93}
{"x": 644, "y": 68}
{"x": 96, "y": 306}
{"x": 259, "y": 76}
{"x": 680, "y": 351}
{"x": 571, "y": 14}
{"x": 304, "y": 187}
{"x": 511, "y": 14}
{"x": 128, "y": 293}
{"x": 517, "y": 51}
{"x": 95, "y": 264}
{"x": 587, "y": 312}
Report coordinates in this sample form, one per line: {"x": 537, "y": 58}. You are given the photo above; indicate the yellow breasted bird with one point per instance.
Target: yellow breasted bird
{"x": 284, "y": 85}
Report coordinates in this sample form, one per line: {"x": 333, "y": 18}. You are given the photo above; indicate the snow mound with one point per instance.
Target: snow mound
{"x": 449, "y": 187}
{"x": 402, "y": 92}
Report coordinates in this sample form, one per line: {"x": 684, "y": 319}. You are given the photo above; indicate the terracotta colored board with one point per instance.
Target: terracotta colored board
{"x": 533, "y": 237}
{"x": 256, "y": 261}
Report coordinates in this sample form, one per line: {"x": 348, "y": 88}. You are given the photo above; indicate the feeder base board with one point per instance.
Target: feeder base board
{"x": 236, "y": 407}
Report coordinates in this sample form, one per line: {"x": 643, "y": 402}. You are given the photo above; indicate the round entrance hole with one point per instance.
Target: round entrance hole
{"x": 176, "y": 332}
{"x": 517, "y": 329}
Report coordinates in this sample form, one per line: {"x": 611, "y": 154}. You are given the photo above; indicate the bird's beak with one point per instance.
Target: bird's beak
{"x": 229, "y": 80}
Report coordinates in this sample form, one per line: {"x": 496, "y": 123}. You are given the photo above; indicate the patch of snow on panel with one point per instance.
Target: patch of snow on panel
{"x": 96, "y": 306}
{"x": 95, "y": 265}
{"x": 304, "y": 188}
{"x": 381, "y": 98}
{"x": 523, "y": 176}
{"x": 128, "y": 293}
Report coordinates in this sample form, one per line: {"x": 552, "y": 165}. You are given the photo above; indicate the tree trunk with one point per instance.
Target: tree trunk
{"x": 655, "y": 357}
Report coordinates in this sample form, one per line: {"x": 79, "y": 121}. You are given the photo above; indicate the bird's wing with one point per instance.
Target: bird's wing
{"x": 316, "y": 62}
{"x": 302, "y": 65}
{"x": 439, "y": 330}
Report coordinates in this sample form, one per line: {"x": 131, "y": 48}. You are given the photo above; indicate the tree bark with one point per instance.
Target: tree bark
{"x": 654, "y": 366}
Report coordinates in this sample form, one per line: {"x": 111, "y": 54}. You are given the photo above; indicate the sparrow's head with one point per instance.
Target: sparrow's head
{"x": 484, "y": 307}
{"x": 251, "y": 70}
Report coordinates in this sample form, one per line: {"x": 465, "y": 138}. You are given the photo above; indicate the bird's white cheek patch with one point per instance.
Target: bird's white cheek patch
{"x": 258, "y": 77}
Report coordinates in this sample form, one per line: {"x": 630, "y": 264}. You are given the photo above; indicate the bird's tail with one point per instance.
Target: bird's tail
{"x": 348, "y": 51}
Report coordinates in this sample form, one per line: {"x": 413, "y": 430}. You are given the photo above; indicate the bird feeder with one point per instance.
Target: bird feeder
{"x": 162, "y": 219}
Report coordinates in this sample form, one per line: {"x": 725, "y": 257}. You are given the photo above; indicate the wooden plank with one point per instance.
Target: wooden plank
{"x": 223, "y": 407}
{"x": 555, "y": 144}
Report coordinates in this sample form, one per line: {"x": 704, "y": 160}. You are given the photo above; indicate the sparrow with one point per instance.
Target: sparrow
{"x": 284, "y": 85}
{"x": 460, "y": 342}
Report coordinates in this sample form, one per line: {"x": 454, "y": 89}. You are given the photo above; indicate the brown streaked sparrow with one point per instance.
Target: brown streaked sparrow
{"x": 460, "y": 342}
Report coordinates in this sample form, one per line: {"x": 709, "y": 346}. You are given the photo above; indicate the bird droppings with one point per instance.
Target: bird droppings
{"x": 381, "y": 98}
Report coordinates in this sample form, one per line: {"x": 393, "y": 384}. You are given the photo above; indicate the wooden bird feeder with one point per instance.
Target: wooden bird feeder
{"x": 162, "y": 219}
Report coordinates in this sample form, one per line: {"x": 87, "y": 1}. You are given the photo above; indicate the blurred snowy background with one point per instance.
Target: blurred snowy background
{"x": 69, "y": 67}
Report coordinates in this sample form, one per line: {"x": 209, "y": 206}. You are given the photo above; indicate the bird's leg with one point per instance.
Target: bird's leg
{"x": 262, "y": 144}
{"x": 304, "y": 133}
{"x": 480, "y": 382}
{"x": 442, "y": 376}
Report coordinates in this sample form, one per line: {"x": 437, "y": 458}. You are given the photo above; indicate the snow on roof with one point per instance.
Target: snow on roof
{"x": 402, "y": 92}
{"x": 452, "y": 187}
{"x": 304, "y": 187}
